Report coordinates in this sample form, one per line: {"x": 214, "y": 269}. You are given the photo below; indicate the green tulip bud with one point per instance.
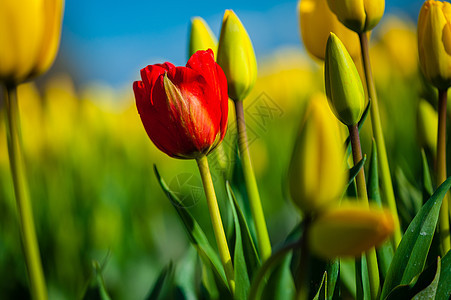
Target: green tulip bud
{"x": 236, "y": 57}
{"x": 358, "y": 15}
{"x": 343, "y": 86}
{"x": 201, "y": 37}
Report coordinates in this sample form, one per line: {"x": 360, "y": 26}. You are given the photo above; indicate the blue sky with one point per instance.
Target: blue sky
{"x": 110, "y": 41}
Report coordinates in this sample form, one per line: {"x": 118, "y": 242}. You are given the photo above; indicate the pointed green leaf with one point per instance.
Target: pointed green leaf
{"x": 280, "y": 285}
{"x": 355, "y": 170}
{"x": 196, "y": 235}
{"x": 333, "y": 271}
{"x": 385, "y": 251}
{"x": 250, "y": 250}
{"x": 96, "y": 290}
{"x": 444, "y": 284}
{"x": 242, "y": 283}
{"x": 426, "y": 177}
{"x": 423, "y": 286}
{"x": 162, "y": 286}
{"x": 411, "y": 254}
{"x": 322, "y": 291}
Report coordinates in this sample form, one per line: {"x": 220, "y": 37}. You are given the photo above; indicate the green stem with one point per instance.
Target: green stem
{"x": 373, "y": 270}
{"x": 385, "y": 177}
{"x": 251, "y": 185}
{"x": 441, "y": 171}
{"x": 216, "y": 221}
{"x": 27, "y": 229}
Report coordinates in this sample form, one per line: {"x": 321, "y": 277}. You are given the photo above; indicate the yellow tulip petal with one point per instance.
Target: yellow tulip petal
{"x": 349, "y": 230}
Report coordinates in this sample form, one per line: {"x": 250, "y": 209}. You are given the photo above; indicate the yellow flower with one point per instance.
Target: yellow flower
{"x": 349, "y": 230}
{"x": 427, "y": 120}
{"x": 29, "y": 37}
{"x": 358, "y": 15}
{"x": 434, "y": 42}
{"x": 236, "y": 57}
{"x": 317, "y": 22}
{"x": 201, "y": 37}
{"x": 343, "y": 85}
{"x": 316, "y": 175}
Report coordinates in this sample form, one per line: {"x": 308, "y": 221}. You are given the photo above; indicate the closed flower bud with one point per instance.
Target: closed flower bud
{"x": 427, "y": 120}
{"x": 316, "y": 175}
{"x": 358, "y": 15}
{"x": 201, "y": 37}
{"x": 349, "y": 230}
{"x": 317, "y": 21}
{"x": 236, "y": 57}
{"x": 434, "y": 42}
{"x": 184, "y": 109}
{"x": 29, "y": 38}
{"x": 343, "y": 85}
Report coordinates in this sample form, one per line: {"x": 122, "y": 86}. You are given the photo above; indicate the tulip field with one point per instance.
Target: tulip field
{"x": 317, "y": 172}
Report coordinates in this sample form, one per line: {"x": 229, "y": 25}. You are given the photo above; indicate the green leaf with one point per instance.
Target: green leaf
{"x": 185, "y": 275}
{"x": 355, "y": 170}
{"x": 426, "y": 177}
{"x": 444, "y": 284}
{"x": 423, "y": 286}
{"x": 322, "y": 291}
{"x": 280, "y": 285}
{"x": 347, "y": 275}
{"x": 242, "y": 283}
{"x": 250, "y": 251}
{"x": 333, "y": 271}
{"x": 385, "y": 251}
{"x": 163, "y": 285}
{"x": 196, "y": 236}
{"x": 411, "y": 254}
{"x": 97, "y": 290}
{"x": 360, "y": 124}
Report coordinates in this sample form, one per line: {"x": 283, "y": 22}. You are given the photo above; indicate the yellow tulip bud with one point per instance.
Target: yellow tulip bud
{"x": 434, "y": 42}
{"x": 358, "y": 15}
{"x": 201, "y": 37}
{"x": 349, "y": 230}
{"x": 29, "y": 38}
{"x": 427, "y": 120}
{"x": 317, "y": 21}
{"x": 343, "y": 85}
{"x": 316, "y": 175}
{"x": 236, "y": 57}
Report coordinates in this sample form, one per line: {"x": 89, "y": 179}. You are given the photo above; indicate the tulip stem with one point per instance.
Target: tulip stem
{"x": 251, "y": 185}
{"x": 373, "y": 270}
{"x": 216, "y": 221}
{"x": 441, "y": 171}
{"x": 386, "y": 183}
{"x": 302, "y": 279}
{"x": 26, "y": 223}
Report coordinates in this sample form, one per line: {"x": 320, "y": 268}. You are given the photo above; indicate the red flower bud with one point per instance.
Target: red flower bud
{"x": 184, "y": 109}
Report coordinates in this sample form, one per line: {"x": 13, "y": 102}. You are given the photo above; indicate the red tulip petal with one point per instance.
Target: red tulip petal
{"x": 222, "y": 82}
{"x": 150, "y": 74}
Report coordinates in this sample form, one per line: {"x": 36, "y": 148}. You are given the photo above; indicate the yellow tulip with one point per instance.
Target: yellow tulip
{"x": 349, "y": 230}
{"x": 201, "y": 37}
{"x": 236, "y": 57}
{"x": 434, "y": 42}
{"x": 427, "y": 120}
{"x": 317, "y": 175}
{"x": 29, "y": 37}
{"x": 343, "y": 85}
{"x": 317, "y": 21}
{"x": 358, "y": 15}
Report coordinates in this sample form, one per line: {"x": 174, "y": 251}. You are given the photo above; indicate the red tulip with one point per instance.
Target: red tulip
{"x": 184, "y": 109}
